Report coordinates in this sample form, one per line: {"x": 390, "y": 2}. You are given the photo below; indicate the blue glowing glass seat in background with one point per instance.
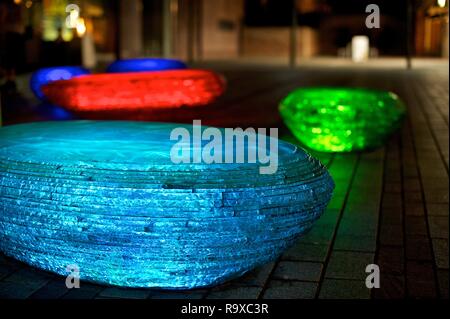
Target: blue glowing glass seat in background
{"x": 145, "y": 65}
{"x": 106, "y": 196}
{"x": 44, "y": 76}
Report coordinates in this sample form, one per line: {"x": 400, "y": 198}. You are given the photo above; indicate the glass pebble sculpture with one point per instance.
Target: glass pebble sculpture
{"x": 105, "y": 196}
{"x": 136, "y": 91}
{"x": 342, "y": 119}
{"x": 143, "y": 65}
{"x": 44, "y": 76}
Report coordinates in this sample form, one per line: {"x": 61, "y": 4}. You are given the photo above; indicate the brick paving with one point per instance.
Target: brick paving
{"x": 390, "y": 206}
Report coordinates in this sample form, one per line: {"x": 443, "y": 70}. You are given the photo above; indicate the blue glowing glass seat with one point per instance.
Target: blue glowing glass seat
{"x": 44, "y": 76}
{"x": 106, "y": 196}
{"x": 145, "y": 65}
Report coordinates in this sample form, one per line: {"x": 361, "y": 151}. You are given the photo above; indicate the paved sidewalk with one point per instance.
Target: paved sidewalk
{"x": 390, "y": 206}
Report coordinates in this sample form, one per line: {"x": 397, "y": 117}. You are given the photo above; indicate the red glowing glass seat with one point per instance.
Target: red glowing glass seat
{"x": 136, "y": 91}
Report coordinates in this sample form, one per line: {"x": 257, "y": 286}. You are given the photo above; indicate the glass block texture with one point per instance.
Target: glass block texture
{"x": 106, "y": 196}
{"x": 342, "y": 119}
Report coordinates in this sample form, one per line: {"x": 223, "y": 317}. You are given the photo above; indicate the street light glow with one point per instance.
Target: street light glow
{"x": 81, "y": 27}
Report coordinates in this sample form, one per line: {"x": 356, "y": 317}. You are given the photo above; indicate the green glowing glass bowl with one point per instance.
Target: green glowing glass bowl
{"x": 342, "y": 119}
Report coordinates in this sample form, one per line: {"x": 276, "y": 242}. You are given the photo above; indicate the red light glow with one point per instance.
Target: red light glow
{"x": 136, "y": 91}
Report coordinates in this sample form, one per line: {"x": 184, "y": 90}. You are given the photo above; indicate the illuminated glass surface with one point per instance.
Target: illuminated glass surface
{"x": 342, "y": 119}
{"x": 144, "y": 65}
{"x": 106, "y": 197}
{"x": 136, "y": 91}
{"x": 44, "y": 76}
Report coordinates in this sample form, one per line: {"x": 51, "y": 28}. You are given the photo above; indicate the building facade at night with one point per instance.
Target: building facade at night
{"x": 197, "y": 30}
{"x": 431, "y": 34}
